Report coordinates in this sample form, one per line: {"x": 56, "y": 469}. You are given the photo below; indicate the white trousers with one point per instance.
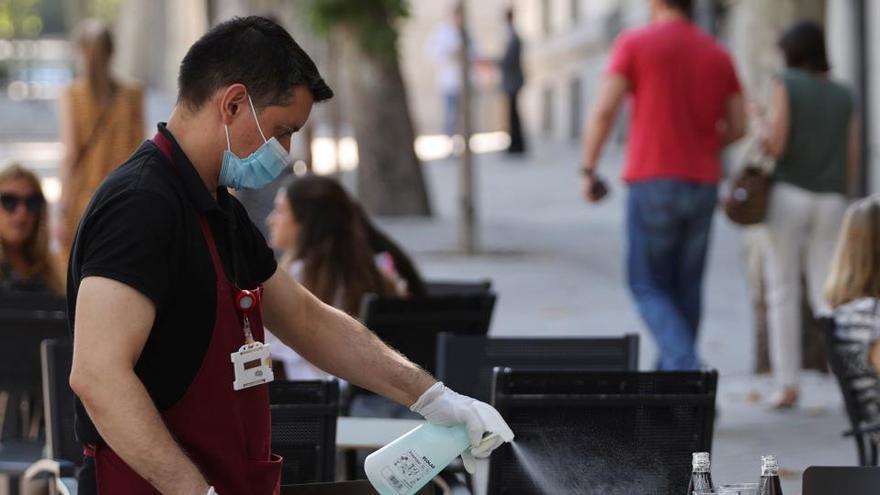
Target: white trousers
{"x": 801, "y": 234}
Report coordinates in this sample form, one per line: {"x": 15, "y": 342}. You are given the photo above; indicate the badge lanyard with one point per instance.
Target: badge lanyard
{"x": 245, "y": 302}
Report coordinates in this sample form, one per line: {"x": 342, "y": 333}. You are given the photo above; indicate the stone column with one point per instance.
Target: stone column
{"x": 226, "y": 9}
{"x": 873, "y": 139}
{"x": 186, "y": 21}
{"x": 136, "y": 41}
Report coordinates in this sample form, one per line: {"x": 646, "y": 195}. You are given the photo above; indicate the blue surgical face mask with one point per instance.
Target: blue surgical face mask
{"x": 257, "y": 170}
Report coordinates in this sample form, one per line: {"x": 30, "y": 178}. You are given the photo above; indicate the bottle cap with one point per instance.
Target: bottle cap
{"x": 769, "y": 464}
{"x": 701, "y": 461}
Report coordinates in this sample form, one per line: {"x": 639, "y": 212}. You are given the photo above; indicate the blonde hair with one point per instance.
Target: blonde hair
{"x": 36, "y": 248}
{"x": 855, "y": 268}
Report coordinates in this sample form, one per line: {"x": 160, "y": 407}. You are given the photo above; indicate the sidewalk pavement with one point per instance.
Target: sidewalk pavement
{"x": 556, "y": 264}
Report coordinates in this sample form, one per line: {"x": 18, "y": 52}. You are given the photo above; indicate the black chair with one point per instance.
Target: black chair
{"x": 457, "y": 287}
{"x": 601, "y": 432}
{"x": 837, "y": 479}
{"x": 848, "y": 365}
{"x": 63, "y": 451}
{"x": 25, "y": 321}
{"x": 411, "y": 325}
{"x": 304, "y": 417}
{"x": 465, "y": 362}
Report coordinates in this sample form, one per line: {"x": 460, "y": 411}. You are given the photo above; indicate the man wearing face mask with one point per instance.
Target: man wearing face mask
{"x": 170, "y": 285}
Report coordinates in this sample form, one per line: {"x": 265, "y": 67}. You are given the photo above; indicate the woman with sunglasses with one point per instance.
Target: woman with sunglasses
{"x": 25, "y": 261}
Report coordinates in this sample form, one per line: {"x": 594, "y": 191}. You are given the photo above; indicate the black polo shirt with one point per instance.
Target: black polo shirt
{"x": 142, "y": 229}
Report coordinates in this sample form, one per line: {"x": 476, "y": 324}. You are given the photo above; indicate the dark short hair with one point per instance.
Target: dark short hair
{"x": 253, "y": 51}
{"x": 684, "y": 6}
{"x": 803, "y": 46}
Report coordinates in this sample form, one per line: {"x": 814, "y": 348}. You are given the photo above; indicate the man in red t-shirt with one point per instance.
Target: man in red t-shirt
{"x": 687, "y": 105}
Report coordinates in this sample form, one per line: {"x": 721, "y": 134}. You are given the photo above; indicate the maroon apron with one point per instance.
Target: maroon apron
{"x": 227, "y": 434}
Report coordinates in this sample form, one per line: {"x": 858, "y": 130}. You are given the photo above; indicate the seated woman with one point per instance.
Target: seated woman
{"x": 324, "y": 244}
{"x": 25, "y": 261}
{"x": 853, "y": 290}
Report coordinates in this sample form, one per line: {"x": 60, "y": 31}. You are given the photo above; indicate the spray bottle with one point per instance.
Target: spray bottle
{"x": 407, "y": 464}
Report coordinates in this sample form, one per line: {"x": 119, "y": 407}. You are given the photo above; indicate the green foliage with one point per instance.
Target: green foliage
{"x": 374, "y": 22}
{"x": 107, "y": 10}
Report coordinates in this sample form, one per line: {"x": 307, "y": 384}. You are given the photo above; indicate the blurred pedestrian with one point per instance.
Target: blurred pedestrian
{"x": 445, "y": 49}
{"x": 812, "y": 133}
{"x": 512, "y": 81}
{"x": 317, "y": 227}
{"x": 853, "y": 291}
{"x": 687, "y": 105}
{"x": 101, "y": 125}
{"x": 25, "y": 261}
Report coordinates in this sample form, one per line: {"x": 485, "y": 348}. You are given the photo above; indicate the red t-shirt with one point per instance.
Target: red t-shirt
{"x": 681, "y": 80}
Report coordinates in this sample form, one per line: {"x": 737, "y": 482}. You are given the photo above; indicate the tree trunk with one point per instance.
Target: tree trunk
{"x": 390, "y": 180}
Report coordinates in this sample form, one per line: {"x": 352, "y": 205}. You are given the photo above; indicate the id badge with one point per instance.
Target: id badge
{"x": 253, "y": 366}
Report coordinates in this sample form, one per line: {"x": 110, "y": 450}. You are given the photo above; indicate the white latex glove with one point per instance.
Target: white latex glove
{"x": 442, "y": 406}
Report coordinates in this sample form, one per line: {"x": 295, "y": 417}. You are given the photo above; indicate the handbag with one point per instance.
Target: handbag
{"x": 749, "y": 193}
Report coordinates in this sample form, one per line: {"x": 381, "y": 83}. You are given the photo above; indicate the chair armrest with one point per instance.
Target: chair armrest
{"x": 66, "y": 486}
{"x": 51, "y": 467}
{"x": 861, "y": 430}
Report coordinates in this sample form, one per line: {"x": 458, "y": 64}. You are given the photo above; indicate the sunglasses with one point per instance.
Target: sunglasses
{"x": 10, "y": 202}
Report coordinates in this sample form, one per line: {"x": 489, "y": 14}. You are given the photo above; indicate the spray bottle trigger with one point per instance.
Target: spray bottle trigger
{"x": 489, "y": 443}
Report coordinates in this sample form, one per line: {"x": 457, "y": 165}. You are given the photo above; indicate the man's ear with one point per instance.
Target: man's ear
{"x": 232, "y": 101}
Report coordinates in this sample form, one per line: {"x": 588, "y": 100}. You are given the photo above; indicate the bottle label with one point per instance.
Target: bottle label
{"x": 408, "y": 471}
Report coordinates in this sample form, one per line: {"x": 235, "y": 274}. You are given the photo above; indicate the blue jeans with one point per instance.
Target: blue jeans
{"x": 668, "y": 223}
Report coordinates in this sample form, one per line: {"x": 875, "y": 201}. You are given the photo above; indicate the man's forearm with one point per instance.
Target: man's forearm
{"x": 598, "y": 127}
{"x": 342, "y": 346}
{"x": 339, "y": 344}
{"x": 128, "y": 421}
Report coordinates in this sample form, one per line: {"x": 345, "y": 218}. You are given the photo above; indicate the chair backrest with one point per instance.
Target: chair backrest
{"x": 26, "y": 320}
{"x": 832, "y": 480}
{"x": 58, "y": 401}
{"x": 848, "y": 366}
{"x": 457, "y": 287}
{"x": 411, "y": 325}
{"x": 304, "y": 417}
{"x": 465, "y": 362}
{"x": 601, "y": 432}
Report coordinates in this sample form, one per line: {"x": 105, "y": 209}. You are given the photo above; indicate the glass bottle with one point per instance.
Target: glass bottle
{"x": 769, "y": 484}
{"x": 701, "y": 476}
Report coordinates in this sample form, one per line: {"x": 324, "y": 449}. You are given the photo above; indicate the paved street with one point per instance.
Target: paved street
{"x": 557, "y": 266}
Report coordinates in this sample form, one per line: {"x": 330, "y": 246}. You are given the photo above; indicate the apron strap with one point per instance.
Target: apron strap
{"x": 164, "y": 146}
{"x": 212, "y": 246}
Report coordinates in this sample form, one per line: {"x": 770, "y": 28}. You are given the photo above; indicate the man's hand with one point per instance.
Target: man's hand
{"x": 593, "y": 188}
{"x": 442, "y": 406}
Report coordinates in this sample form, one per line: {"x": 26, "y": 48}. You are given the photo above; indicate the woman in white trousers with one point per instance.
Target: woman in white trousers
{"x": 812, "y": 134}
